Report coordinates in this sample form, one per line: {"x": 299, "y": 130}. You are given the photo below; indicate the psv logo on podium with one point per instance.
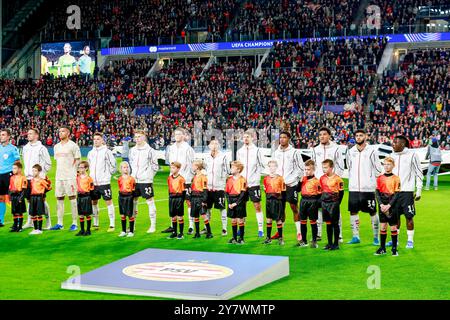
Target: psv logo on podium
{"x": 177, "y": 271}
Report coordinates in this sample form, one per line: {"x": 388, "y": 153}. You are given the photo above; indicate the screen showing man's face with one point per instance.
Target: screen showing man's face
{"x": 87, "y": 50}
{"x": 67, "y": 48}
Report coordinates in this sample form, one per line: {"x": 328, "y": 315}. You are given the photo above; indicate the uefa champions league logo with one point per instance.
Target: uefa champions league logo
{"x": 177, "y": 271}
{"x": 153, "y": 49}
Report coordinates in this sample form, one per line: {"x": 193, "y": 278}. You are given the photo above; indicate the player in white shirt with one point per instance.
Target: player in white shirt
{"x": 144, "y": 165}
{"x": 180, "y": 151}
{"x": 102, "y": 165}
{"x": 292, "y": 168}
{"x": 251, "y": 157}
{"x": 35, "y": 153}
{"x": 218, "y": 169}
{"x": 407, "y": 167}
{"x": 327, "y": 149}
{"x": 364, "y": 167}
{"x": 67, "y": 156}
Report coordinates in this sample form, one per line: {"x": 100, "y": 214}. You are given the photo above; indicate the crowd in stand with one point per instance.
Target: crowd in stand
{"x": 149, "y": 22}
{"x": 402, "y": 12}
{"x": 292, "y": 19}
{"x": 294, "y": 96}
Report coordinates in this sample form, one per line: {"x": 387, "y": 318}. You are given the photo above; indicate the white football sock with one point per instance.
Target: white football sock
{"x": 260, "y": 219}
{"x": 354, "y": 222}
{"x": 74, "y": 209}
{"x": 112, "y": 216}
{"x": 60, "y": 211}
{"x": 191, "y": 219}
{"x": 152, "y": 212}
{"x": 224, "y": 219}
{"x": 95, "y": 214}
{"x": 340, "y": 226}
{"x": 375, "y": 225}
{"x": 410, "y": 234}
{"x": 319, "y": 223}
{"x": 297, "y": 226}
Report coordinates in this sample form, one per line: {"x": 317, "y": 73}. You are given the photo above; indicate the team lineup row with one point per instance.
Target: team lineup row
{"x": 206, "y": 184}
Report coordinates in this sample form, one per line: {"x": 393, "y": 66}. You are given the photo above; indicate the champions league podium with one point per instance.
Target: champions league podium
{"x": 183, "y": 274}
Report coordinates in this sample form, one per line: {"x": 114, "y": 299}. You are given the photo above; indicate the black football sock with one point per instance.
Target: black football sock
{"x": 20, "y": 221}
{"x": 394, "y": 240}
{"x": 35, "y": 223}
{"x": 330, "y": 234}
{"x": 16, "y": 222}
{"x": 82, "y": 223}
{"x": 336, "y": 233}
{"x": 304, "y": 230}
{"x": 241, "y": 231}
{"x": 131, "y": 225}
{"x": 88, "y": 224}
{"x": 208, "y": 226}
{"x": 40, "y": 223}
{"x": 280, "y": 229}
{"x": 383, "y": 236}
{"x": 269, "y": 229}
{"x": 314, "y": 230}
{"x": 181, "y": 224}
{"x": 174, "y": 226}
{"x": 234, "y": 227}
{"x": 124, "y": 223}
{"x": 197, "y": 226}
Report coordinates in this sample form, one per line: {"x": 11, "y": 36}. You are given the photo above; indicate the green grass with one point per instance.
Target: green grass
{"x": 33, "y": 267}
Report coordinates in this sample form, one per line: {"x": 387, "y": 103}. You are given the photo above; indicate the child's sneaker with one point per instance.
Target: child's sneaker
{"x": 196, "y": 236}
{"x": 224, "y": 232}
{"x": 314, "y": 245}
{"x": 327, "y": 247}
{"x": 190, "y": 231}
{"x": 380, "y": 252}
{"x": 209, "y": 235}
{"x": 87, "y": 233}
{"x": 80, "y": 233}
{"x": 240, "y": 241}
{"x": 180, "y": 236}
{"x": 173, "y": 235}
{"x": 267, "y": 241}
{"x": 130, "y": 235}
{"x": 334, "y": 247}
{"x": 35, "y": 231}
{"x": 281, "y": 241}
{"x": 122, "y": 234}
{"x": 302, "y": 244}
{"x": 395, "y": 252}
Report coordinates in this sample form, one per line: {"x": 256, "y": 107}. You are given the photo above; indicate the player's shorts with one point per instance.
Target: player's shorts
{"x": 274, "y": 209}
{"x": 217, "y": 199}
{"x": 391, "y": 217}
{"x": 309, "y": 208}
{"x": 126, "y": 205}
{"x": 103, "y": 191}
{"x": 187, "y": 195}
{"x": 290, "y": 195}
{"x": 330, "y": 211}
{"x": 362, "y": 201}
{"x": 254, "y": 194}
{"x": 405, "y": 205}
{"x": 176, "y": 206}
{"x": 36, "y": 205}
{"x": 65, "y": 188}
{"x": 16, "y": 206}
{"x": 238, "y": 212}
{"x": 144, "y": 190}
{"x": 197, "y": 209}
{"x": 84, "y": 204}
{"x": 4, "y": 183}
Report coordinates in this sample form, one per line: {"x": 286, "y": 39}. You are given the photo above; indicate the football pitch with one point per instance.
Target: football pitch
{"x": 33, "y": 267}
